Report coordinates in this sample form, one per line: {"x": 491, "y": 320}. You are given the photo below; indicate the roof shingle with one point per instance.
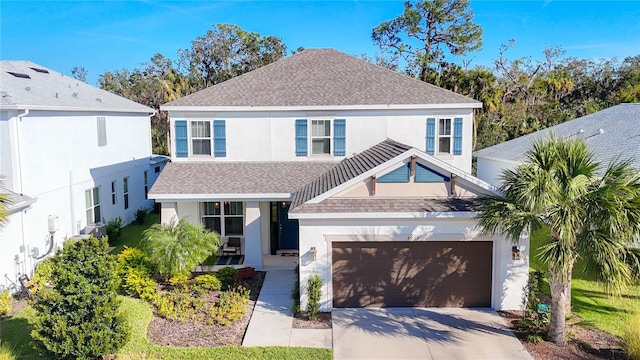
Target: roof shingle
{"x": 382, "y": 205}
{"x": 321, "y": 77}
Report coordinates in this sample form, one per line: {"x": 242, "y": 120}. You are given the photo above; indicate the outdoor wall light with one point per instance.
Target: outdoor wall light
{"x": 312, "y": 253}
{"x": 515, "y": 252}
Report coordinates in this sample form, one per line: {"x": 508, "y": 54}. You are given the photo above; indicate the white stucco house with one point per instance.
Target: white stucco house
{"x": 610, "y": 133}
{"x": 361, "y": 172}
{"x": 72, "y": 156}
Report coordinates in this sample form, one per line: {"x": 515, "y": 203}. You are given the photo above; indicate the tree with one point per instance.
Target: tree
{"x": 593, "y": 213}
{"x": 78, "y": 318}
{"x": 228, "y": 51}
{"x": 422, "y": 32}
{"x": 178, "y": 247}
{"x": 79, "y": 73}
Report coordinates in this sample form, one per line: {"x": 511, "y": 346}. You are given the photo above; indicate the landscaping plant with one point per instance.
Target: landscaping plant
{"x": 536, "y": 316}
{"x": 42, "y": 274}
{"x": 314, "y": 291}
{"x": 207, "y": 282}
{"x": 631, "y": 336}
{"x": 227, "y": 276}
{"x": 295, "y": 293}
{"x": 78, "y": 318}
{"x": 178, "y": 247}
{"x": 5, "y": 302}
{"x": 593, "y": 213}
{"x": 140, "y": 215}
{"x": 231, "y": 306}
{"x": 114, "y": 229}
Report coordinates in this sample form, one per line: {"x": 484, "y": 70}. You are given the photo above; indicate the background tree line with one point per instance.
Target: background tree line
{"x": 519, "y": 95}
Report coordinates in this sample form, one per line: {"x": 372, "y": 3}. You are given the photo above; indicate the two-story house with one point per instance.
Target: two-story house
{"x": 362, "y": 172}
{"x": 72, "y": 156}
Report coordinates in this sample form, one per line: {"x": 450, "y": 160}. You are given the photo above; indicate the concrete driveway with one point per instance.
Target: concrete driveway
{"x": 423, "y": 333}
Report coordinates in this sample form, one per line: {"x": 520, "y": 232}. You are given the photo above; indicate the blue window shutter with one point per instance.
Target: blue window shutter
{"x": 219, "y": 139}
{"x": 457, "y": 136}
{"x": 399, "y": 175}
{"x": 431, "y": 136}
{"x": 426, "y": 175}
{"x": 339, "y": 137}
{"x": 301, "y": 137}
{"x": 182, "y": 140}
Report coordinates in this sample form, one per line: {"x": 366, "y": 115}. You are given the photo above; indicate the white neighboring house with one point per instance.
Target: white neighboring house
{"x": 362, "y": 172}
{"x": 71, "y": 157}
{"x": 610, "y": 133}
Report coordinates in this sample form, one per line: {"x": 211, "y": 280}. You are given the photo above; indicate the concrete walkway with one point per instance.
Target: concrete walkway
{"x": 271, "y": 323}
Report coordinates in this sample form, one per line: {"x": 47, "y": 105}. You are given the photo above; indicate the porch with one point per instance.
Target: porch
{"x": 269, "y": 262}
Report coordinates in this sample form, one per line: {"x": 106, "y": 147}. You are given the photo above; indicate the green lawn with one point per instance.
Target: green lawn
{"x": 15, "y": 333}
{"x": 132, "y": 233}
{"x": 589, "y": 299}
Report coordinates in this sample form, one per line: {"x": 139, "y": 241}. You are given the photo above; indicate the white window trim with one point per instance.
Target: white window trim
{"x": 312, "y": 137}
{"x": 222, "y": 217}
{"x": 438, "y": 137}
{"x": 93, "y": 206}
{"x": 191, "y": 137}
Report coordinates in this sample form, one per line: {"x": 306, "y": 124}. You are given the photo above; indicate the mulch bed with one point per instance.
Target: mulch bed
{"x": 301, "y": 321}
{"x": 190, "y": 333}
{"x": 584, "y": 343}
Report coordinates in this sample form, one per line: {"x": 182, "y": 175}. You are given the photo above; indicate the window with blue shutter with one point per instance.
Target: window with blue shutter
{"x": 182, "y": 139}
{"x": 457, "y": 136}
{"x": 431, "y": 136}
{"x": 301, "y": 137}
{"x": 219, "y": 138}
{"x": 399, "y": 175}
{"x": 339, "y": 137}
{"x": 426, "y": 175}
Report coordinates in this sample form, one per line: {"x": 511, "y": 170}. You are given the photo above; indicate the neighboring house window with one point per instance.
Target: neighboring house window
{"x": 125, "y": 192}
{"x": 156, "y": 169}
{"x": 201, "y": 137}
{"x": 146, "y": 183}
{"x": 444, "y": 136}
{"x": 102, "y": 130}
{"x": 113, "y": 192}
{"x": 92, "y": 204}
{"x": 320, "y": 137}
{"x": 226, "y": 218}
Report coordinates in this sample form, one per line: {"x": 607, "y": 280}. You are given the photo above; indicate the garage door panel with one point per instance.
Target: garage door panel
{"x": 385, "y": 274}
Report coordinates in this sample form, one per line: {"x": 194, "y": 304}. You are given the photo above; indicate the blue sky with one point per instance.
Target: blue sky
{"x": 110, "y": 35}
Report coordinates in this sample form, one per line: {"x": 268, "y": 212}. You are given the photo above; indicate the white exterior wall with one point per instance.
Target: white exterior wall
{"x": 54, "y": 157}
{"x": 489, "y": 170}
{"x": 270, "y": 136}
{"x": 508, "y": 278}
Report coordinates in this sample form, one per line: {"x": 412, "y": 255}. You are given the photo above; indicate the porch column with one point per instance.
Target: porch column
{"x": 252, "y": 240}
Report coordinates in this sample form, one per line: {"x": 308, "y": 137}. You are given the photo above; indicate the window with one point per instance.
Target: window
{"x": 225, "y": 218}
{"x": 444, "y": 136}
{"x": 146, "y": 183}
{"x": 125, "y": 192}
{"x": 201, "y": 137}
{"x": 101, "y": 125}
{"x": 92, "y": 204}
{"x": 156, "y": 169}
{"x": 320, "y": 137}
{"x": 113, "y": 192}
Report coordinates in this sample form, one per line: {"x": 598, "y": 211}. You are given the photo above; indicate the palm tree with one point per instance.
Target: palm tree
{"x": 593, "y": 214}
{"x": 178, "y": 247}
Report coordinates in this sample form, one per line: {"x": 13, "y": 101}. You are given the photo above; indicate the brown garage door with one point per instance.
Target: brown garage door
{"x": 412, "y": 273}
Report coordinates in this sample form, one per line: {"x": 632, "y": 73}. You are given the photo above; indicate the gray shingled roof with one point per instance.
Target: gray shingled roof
{"x": 348, "y": 169}
{"x": 51, "y": 90}
{"x": 620, "y": 136}
{"x": 237, "y": 177}
{"x": 321, "y": 77}
{"x": 340, "y": 205}
{"x": 18, "y": 202}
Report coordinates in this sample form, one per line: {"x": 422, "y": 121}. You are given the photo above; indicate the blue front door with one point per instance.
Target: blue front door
{"x": 287, "y": 229}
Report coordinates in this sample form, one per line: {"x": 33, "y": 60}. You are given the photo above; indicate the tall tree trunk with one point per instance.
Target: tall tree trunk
{"x": 560, "y": 292}
{"x": 568, "y": 303}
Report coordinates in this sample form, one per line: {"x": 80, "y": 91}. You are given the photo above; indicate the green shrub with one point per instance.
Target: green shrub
{"x": 114, "y": 229}
{"x": 180, "y": 281}
{"x": 295, "y": 293}
{"x": 207, "y": 282}
{"x": 140, "y": 215}
{"x": 231, "y": 306}
{"x": 631, "y": 336}
{"x": 42, "y": 274}
{"x": 138, "y": 283}
{"x": 535, "y": 319}
{"x": 5, "y": 302}
{"x": 179, "y": 305}
{"x": 178, "y": 247}
{"x": 78, "y": 318}
{"x": 314, "y": 291}
{"x": 227, "y": 275}
{"x": 132, "y": 258}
